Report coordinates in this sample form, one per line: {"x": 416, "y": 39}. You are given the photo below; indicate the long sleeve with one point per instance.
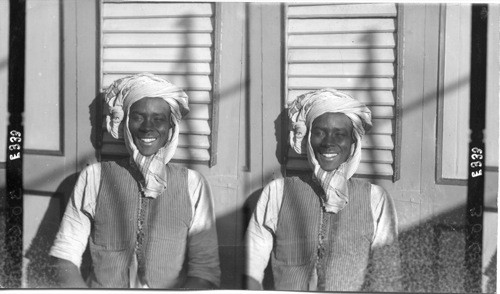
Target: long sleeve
{"x": 203, "y": 250}
{"x": 385, "y": 265}
{"x": 261, "y": 228}
{"x": 72, "y": 237}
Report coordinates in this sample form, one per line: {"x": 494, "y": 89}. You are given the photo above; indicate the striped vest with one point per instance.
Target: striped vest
{"x": 307, "y": 238}
{"x": 165, "y": 220}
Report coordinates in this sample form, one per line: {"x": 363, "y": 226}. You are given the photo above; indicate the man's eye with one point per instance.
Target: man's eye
{"x": 135, "y": 117}
{"x": 317, "y": 133}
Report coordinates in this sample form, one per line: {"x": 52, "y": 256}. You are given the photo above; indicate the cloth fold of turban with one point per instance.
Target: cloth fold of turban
{"x": 119, "y": 97}
{"x": 302, "y": 111}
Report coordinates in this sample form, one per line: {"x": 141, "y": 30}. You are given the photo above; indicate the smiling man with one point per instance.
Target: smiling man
{"x": 148, "y": 223}
{"x": 324, "y": 230}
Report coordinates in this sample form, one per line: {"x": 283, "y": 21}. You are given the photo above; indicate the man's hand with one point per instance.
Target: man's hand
{"x": 198, "y": 283}
{"x": 253, "y": 284}
{"x": 68, "y": 275}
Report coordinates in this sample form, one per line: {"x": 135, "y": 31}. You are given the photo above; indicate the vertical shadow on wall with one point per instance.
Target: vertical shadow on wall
{"x": 491, "y": 274}
{"x": 3, "y": 253}
{"x": 39, "y": 270}
{"x": 4, "y": 63}
{"x": 280, "y": 132}
{"x": 231, "y": 253}
{"x": 248, "y": 209}
{"x": 96, "y": 119}
{"x": 281, "y": 135}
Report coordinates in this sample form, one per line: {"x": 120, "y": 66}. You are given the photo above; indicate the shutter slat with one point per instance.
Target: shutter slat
{"x": 340, "y": 55}
{"x": 184, "y": 82}
{"x": 155, "y": 54}
{"x": 173, "y": 41}
{"x": 351, "y": 48}
{"x": 199, "y": 97}
{"x": 158, "y": 25}
{"x": 373, "y": 141}
{"x": 194, "y": 127}
{"x": 199, "y": 141}
{"x": 168, "y": 68}
{"x": 198, "y": 111}
{"x": 382, "y": 111}
{"x": 157, "y": 9}
{"x": 342, "y": 11}
{"x": 156, "y": 40}
{"x": 367, "y": 155}
{"x": 321, "y": 26}
{"x": 375, "y": 169}
{"x": 298, "y": 4}
{"x": 380, "y": 70}
{"x": 367, "y": 97}
{"x": 364, "y": 169}
{"x": 382, "y": 127}
{"x": 354, "y": 41}
{"x": 341, "y": 83}
{"x": 376, "y": 156}
{"x": 192, "y": 154}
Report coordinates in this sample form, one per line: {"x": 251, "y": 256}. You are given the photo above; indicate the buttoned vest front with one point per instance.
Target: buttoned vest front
{"x": 113, "y": 238}
{"x": 341, "y": 258}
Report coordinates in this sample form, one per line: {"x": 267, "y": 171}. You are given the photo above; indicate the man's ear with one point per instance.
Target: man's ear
{"x": 354, "y": 144}
{"x": 170, "y": 134}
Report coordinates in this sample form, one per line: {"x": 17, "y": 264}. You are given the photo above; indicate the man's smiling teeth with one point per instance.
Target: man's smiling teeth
{"x": 329, "y": 155}
{"x": 148, "y": 140}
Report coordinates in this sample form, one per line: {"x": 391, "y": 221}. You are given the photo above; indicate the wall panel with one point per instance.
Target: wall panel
{"x": 44, "y": 117}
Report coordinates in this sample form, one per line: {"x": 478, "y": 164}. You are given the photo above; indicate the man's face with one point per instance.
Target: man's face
{"x": 331, "y": 139}
{"x": 149, "y": 124}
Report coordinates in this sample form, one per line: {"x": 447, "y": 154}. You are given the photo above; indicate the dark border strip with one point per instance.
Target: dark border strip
{"x": 216, "y": 78}
{"x": 398, "y": 92}
{"x": 15, "y": 138}
{"x": 475, "y": 188}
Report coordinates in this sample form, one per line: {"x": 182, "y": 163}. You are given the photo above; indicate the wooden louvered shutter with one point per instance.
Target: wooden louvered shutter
{"x": 352, "y": 48}
{"x": 174, "y": 41}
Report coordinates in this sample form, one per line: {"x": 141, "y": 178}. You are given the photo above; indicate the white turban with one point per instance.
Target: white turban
{"x": 302, "y": 111}
{"x": 120, "y": 96}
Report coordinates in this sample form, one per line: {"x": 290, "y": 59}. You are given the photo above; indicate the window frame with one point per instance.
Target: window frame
{"x": 397, "y": 94}
{"x": 214, "y": 78}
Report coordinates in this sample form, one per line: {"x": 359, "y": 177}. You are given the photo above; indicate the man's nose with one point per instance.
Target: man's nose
{"x": 329, "y": 140}
{"x": 147, "y": 125}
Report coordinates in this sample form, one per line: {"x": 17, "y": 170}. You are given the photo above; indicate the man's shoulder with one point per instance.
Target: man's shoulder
{"x": 122, "y": 162}
{"x": 362, "y": 183}
{"x": 91, "y": 168}
{"x": 302, "y": 177}
{"x": 177, "y": 168}
{"x": 377, "y": 189}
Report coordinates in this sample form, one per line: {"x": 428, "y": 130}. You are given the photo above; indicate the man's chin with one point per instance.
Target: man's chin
{"x": 147, "y": 151}
{"x": 327, "y": 166}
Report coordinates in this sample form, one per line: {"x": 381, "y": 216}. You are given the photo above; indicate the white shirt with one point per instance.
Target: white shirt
{"x": 264, "y": 220}
{"x": 74, "y": 231}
